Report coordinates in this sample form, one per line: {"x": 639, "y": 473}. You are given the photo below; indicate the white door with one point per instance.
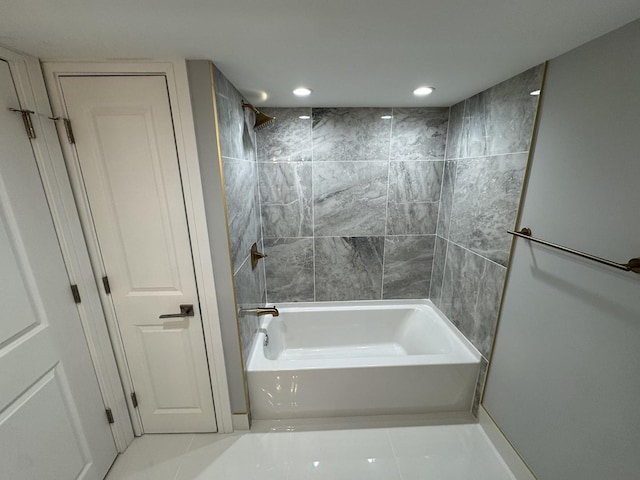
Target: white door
{"x": 127, "y": 153}
{"x": 52, "y": 420}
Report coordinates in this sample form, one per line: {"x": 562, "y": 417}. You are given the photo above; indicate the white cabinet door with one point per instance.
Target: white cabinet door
{"x": 52, "y": 419}
{"x": 127, "y": 153}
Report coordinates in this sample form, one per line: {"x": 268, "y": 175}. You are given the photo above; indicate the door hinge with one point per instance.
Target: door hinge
{"x": 110, "y": 415}
{"x": 76, "y": 294}
{"x": 26, "y": 119}
{"x": 67, "y": 127}
{"x": 134, "y": 399}
{"x": 107, "y": 287}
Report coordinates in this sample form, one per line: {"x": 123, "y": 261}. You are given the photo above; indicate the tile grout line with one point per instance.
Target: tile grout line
{"x": 386, "y": 211}
{"x": 263, "y": 264}
{"x": 395, "y": 454}
{"x": 478, "y": 157}
{"x": 476, "y": 254}
{"x": 313, "y": 207}
{"x": 444, "y": 170}
{"x": 183, "y": 455}
{"x": 241, "y": 265}
{"x": 453, "y": 191}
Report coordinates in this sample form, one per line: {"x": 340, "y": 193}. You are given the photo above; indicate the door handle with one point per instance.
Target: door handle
{"x": 185, "y": 311}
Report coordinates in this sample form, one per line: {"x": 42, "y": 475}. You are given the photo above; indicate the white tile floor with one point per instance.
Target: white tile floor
{"x": 446, "y": 452}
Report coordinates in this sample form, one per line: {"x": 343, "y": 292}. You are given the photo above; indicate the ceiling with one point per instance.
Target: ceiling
{"x": 350, "y": 52}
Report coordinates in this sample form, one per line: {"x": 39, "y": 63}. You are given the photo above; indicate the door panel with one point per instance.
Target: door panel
{"x": 52, "y": 419}
{"x": 38, "y": 421}
{"x": 181, "y": 394}
{"x": 128, "y": 161}
{"x": 19, "y": 314}
{"x": 126, "y": 151}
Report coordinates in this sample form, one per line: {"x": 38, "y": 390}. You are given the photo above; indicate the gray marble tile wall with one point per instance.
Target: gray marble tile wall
{"x": 240, "y": 171}
{"x": 486, "y": 156}
{"x": 349, "y": 201}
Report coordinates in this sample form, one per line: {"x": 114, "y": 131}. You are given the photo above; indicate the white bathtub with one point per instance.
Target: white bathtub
{"x": 331, "y": 359}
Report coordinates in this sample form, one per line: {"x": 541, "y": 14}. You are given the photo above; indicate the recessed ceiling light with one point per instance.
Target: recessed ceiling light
{"x": 535, "y": 93}
{"x": 302, "y": 92}
{"x": 422, "y": 91}
{"x": 386, "y": 117}
{"x": 304, "y": 117}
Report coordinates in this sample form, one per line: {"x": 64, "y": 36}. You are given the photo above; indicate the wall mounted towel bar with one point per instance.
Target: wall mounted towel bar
{"x": 632, "y": 265}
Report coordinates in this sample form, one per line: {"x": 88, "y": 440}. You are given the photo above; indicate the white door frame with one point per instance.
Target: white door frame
{"x": 180, "y": 101}
{"x": 32, "y": 95}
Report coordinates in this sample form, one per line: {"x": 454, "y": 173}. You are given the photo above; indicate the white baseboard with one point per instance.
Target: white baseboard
{"x": 515, "y": 463}
{"x": 240, "y": 422}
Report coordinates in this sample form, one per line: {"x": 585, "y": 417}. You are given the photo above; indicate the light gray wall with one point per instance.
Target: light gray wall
{"x": 564, "y": 380}
{"x": 349, "y": 201}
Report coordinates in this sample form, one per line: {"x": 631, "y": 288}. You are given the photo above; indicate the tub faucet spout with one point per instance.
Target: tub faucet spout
{"x": 260, "y": 311}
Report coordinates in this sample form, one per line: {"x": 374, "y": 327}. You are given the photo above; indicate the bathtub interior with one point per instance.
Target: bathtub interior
{"x": 352, "y": 331}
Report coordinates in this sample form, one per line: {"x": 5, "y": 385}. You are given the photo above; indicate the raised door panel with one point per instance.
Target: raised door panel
{"x": 40, "y": 436}
{"x": 132, "y": 179}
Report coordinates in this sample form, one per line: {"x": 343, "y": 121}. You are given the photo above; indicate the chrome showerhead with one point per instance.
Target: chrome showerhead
{"x": 262, "y": 119}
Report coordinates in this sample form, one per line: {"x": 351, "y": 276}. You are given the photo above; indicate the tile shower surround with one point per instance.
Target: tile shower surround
{"x": 356, "y": 207}
{"x": 487, "y": 150}
{"x": 349, "y": 201}
{"x": 238, "y": 152}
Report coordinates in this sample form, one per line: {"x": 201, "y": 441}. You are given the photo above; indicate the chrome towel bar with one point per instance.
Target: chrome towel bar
{"x": 632, "y": 265}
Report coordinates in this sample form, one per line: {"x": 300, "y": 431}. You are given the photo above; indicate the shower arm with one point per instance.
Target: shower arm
{"x": 249, "y": 106}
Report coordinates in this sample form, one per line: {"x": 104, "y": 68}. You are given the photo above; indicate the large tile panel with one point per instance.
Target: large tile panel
{"x": 348, "y": 134}
{"x": 350, "y": 198}
{"x": 485, "y": 203}
{"x": 474, "y": 136}
{"x": 455, "y": 131}
{"x": 437, "y": 271}
{"x": 289, "y": 269}
{"x": 488, "y": 306}
{"x": 419, "y": 133}
{"x": 240, "y": 182}
{"x": 348, "y": 268}
{"x": 250, "y": 293}
{"x": 446, "y": 198}
{"x": 471, "y": 295}
{"x": 235, "y": 133}
{"x": 407, "y": 266}
{"x": 286, "y": 203}
{"x": 414, "y": 194}
{"x": 510, "y": 111}
{"x": 288, "y": 138}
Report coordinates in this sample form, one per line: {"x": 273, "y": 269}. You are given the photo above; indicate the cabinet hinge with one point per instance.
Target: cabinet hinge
{"x": 26, "y": 119}
{"x": 134, "y": 399}
{"x": 76, "y": 294}
{"x": 110, "y": 415}
{"x": 67, "y": 127}
{"x": 107, "y": 287}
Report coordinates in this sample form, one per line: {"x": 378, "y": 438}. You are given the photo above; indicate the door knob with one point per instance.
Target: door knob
{"x": 185, "y": 311}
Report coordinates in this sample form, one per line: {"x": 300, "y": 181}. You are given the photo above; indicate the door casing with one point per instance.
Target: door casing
{"x": 176, "y": 75}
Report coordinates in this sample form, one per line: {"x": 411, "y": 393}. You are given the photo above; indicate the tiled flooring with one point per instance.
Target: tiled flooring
{"x": 450, "y": 452}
